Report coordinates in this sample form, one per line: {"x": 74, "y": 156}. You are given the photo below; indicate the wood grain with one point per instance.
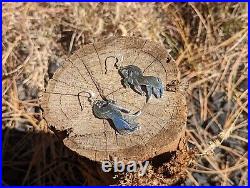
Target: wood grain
{"x": 162, "y": 120}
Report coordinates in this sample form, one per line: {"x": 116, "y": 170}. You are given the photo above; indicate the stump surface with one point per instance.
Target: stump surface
{"x": 162, "y": 120}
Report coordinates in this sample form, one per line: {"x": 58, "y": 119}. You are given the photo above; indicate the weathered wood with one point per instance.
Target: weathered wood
{"x": 162, "y": 120}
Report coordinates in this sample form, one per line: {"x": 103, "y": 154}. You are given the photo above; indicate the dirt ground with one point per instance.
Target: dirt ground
{"x": 209, "y": 43}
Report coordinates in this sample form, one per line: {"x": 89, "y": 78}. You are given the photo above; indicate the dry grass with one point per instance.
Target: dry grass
{"x": 209, "y": 42}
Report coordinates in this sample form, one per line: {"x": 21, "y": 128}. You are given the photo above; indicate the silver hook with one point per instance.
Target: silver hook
{"x": 116, "y": 65}
{"x": 91, "y": 96}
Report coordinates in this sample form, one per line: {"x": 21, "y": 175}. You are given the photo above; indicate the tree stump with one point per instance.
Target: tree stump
{"x": 91, "y": 68}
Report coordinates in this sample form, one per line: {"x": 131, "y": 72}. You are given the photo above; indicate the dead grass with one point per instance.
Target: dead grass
{"x": 209, "y": 42}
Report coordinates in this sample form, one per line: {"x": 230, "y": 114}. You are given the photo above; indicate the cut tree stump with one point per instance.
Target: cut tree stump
{"x": 91, "y": 68}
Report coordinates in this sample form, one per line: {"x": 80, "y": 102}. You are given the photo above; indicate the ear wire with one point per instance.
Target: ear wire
{"x": 91, "y": 97}
{"x": 118, "y": 66}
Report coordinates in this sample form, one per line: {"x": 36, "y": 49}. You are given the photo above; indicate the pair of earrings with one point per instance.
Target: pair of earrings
{"x": 132, "y": 76}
